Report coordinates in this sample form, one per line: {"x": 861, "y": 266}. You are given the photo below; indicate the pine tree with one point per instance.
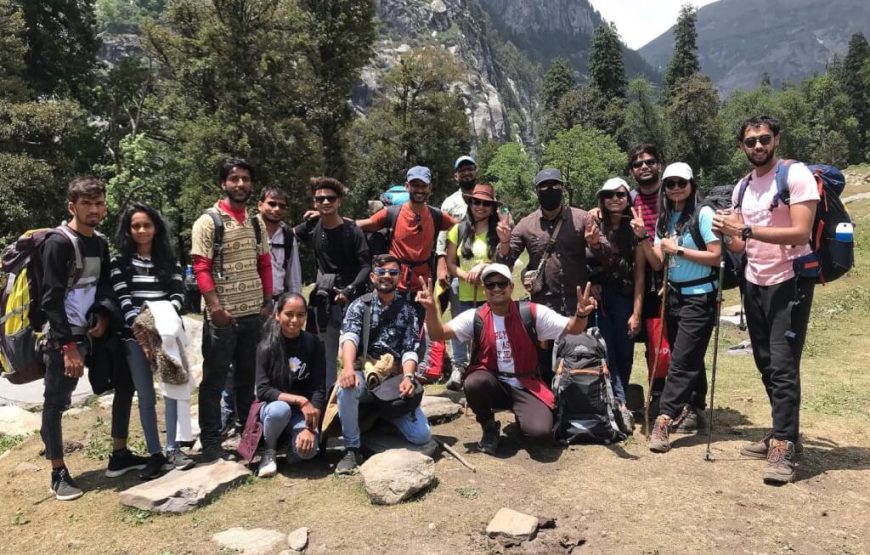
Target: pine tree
{"x": 854, "y": 86}
{"x": 684, "y": 62}
{"x": 606, "y": 65}
{"x": 558, "y": 80}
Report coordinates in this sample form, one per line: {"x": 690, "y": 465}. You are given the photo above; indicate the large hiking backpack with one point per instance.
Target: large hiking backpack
{"x": 719, "y": 198}
{"x": 22, "y": 321}
{"x": 832, "y": 257}
{"x": 586, "y": 411}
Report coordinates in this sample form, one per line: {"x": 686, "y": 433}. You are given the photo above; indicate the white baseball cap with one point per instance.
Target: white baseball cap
{"x": 499, "y": 269}
{"x": 613, "y": 184}
{"x": 678, "y": 169}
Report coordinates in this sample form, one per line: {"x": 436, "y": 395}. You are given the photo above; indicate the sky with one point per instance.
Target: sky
{"x": 640, "y": 21}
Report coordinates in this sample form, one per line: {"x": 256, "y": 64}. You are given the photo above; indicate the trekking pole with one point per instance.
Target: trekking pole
{"x": 656, "y": 351}
{"x": 709, "y": 455}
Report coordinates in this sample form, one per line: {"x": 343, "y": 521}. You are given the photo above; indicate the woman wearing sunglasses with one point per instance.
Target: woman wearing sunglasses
{"x": 621, "y": 276}
{"x": 691, "y": 294}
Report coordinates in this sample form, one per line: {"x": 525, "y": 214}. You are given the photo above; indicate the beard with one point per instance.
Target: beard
{"x": 467, "y": 186}
{"x": 756, "y": 162}
{"x": 386, "y": 286}
{"x": 648, "y": 181}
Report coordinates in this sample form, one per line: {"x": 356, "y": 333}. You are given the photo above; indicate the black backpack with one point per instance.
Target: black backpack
{"x": 586, "y": 411}
{"x": 719, "y": 198}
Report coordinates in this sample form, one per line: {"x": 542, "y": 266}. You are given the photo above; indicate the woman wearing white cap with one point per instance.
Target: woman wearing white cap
{"x": 690, "y": 305}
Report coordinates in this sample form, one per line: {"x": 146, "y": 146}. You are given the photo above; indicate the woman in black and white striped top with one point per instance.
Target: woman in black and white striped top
{"x": 145, "y": 269}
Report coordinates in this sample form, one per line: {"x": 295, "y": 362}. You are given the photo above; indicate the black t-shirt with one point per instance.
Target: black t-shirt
{"x": 304, "y": 373}
{"x": 341, "y": 250}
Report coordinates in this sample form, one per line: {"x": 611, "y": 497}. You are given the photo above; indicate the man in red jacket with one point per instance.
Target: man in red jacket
{"x": 503, "y": 367}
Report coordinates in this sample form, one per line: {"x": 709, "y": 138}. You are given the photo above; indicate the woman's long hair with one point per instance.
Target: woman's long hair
{"x": 162, "y": 256}
{"x": 687, "y": 215}
{"x": 271, "y": 350}
{"x": 466, "y": 234}
{"x": 622, "y": 237}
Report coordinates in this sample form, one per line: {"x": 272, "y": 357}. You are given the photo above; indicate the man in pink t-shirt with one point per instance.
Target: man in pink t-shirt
{"x": 774, "y": 235}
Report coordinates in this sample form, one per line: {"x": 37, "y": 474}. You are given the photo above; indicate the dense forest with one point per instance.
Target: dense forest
{"x": 270, "y": 80}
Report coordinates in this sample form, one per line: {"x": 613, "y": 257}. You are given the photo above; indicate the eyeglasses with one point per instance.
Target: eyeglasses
{"x": 480, "y": 202}
{"x": 325, "y": 198}
{"x": 676, "y": 184}
{"x": 763, "y": 139}
{"x": 610, "y": 194}
{"x": 640, "y": 163}
{"x": 275, "y": 204}
{"x": 502, "y": 284}
{"x": 392, "y": 272}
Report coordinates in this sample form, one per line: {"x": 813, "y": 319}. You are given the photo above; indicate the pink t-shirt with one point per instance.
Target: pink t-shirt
{"x": 769, "y": 264}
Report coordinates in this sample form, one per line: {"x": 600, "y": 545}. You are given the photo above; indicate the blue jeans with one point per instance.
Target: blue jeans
{"x": 177, "y": 421}
{"x": 280, "y": 420}
{"x": 413, "y": 426}
{"x": 143, "y": 381}
{"x": 613, "y": 318}
{"x": 460, "y": 349}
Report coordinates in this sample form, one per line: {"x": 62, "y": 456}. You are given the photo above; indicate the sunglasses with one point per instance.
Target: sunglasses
{"x": 501, "y": 284}
{"x": 610, "y": 194}
{"x": 325, "y": 198}
{"x": 274, "y": 204}
{"x": 676, "y": 184}
{"x": 650, "y": 162}
{"x": 392, "y": 272}
{"x": 480, "y": 202}
{"x": 763, "y": 139}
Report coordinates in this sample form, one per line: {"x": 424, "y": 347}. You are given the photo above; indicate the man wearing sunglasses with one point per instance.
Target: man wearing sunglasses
{"x": 503, "y": 371}
{"x": 286, "y": 270}
{"x": 775, "y": 236}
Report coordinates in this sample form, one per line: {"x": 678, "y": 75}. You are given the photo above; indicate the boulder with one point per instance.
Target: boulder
{"x": 396, "y": 475}
{"x": 376, "y": 442}
{"x": 512, "y": 525}
{"x": 297, "y": 540}
{"x": 15, "y": 421}
{"x": 439, "y": 409}
{"x": 182, "y": 491}
{"x": 249, "y": 541}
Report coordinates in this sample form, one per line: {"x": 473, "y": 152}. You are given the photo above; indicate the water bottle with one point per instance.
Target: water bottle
{"x": 845, "y": 232}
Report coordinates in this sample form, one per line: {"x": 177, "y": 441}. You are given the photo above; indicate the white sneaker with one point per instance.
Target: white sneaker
{"x": 268, "y": 466}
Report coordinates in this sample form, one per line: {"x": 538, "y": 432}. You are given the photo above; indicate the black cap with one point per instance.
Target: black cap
{"x": 548, "y": 174}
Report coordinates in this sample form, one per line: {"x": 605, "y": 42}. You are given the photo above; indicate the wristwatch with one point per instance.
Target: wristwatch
{"x": 746, "y": 232}
{"x": 411, "y": 377}
{"x": 681, "y": 251}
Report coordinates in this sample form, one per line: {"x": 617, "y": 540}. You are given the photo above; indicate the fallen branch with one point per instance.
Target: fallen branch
{"x": 455, "y": 455}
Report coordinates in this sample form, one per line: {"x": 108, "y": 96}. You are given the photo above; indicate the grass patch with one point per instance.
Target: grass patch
{"x": 133, "y": 516}
{"x": 468, "y": 492}
{"x": 8, "y": 442}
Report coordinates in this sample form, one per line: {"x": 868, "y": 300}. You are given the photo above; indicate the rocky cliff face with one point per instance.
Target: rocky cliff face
{"x": 790, "y": 40}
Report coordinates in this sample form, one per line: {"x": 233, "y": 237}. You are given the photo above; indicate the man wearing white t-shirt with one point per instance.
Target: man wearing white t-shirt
{"x": 503, "y": 368}
{"x": 775, "y": 234}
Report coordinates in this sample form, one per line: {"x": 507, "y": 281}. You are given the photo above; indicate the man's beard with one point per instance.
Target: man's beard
{"x": 386, "y": 286}
{"x": 763, "y": 162}
{"x": 649, "y": 181}
{"x": 467, "y": 186}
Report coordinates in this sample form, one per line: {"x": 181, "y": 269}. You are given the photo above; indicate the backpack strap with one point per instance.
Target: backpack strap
{"x": 695, "y": 229}
{"x": 782, "y": 192}
{"x": 392, "y": 217}
{"x": 529, "y": 315}
{"x": 741, "y": 190}
{"x": 367, "y": 324}
{"x": 218, "y": 241}
{"x": 477, "y": 330}
{"x": 78, "y": 265}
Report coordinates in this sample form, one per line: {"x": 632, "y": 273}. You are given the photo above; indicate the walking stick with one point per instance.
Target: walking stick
{"x": 656, "y": 350}
{"x": 709, "y": 455}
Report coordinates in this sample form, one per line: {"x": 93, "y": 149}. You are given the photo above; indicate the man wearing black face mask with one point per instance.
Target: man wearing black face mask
{"x": 554, "y": 237}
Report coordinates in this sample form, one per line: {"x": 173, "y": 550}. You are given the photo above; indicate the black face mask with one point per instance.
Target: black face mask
{"x": 550, "y": 199}
{"x": 467, "y": 186}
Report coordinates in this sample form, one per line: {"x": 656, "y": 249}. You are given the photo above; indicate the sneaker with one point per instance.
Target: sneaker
{"x": 123, "y": 461}
{"x": 489, "y": 442}
{"x": 211, "y": 453}
{"x": 62, "y": 485}
{"x": 156, "y": 466}
{"x": 659, "y": 441}
{"x": 349, "y": 462}
{"x": 627, "y": 420}
{"x": 455, "y": 381}
{"x": 268, "y": 466}
{"x": 780, "y": 462}
{"x": 759, "y": 449}
{"x": 179, "y": 459}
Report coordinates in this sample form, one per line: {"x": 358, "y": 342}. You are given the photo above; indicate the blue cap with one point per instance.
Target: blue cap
{"x": 463, "y": 160}
{"x": 420, "y": 172}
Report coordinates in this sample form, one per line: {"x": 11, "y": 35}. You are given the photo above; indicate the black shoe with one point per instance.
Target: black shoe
{"x": 489, "y": 442}
{"x": 349, "y": 462}
{"x": 211, "y": 453}
{"x": 62, "y": 485}
{"x": 230, "y": 428}
{"x": 156, "y": 466}
{"x": 123, "y": 461}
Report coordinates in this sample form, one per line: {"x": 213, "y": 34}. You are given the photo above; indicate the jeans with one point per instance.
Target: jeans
{"x": 234, "y": 345}
{"x": 330, "y": 342}
{"x": 414, "y": 426}
{"x": 143, "y": 381}
{"x": 460, "y": 349}
{"x": 613, "y": 315}
{"x": 280, "y": 420}
{"x": 228, "y": 401}
{"x": 57, "y": 399}
{"x": 777, "y": 316}
{"x": 178, "y": 422}
{"x": 689, "y": 321}
{"x": 484, "y": 392}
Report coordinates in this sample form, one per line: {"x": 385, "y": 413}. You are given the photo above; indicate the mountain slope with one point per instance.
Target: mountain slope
{"x": 790, "y": 40}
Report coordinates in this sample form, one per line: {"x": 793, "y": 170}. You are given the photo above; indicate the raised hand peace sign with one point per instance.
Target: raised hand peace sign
{"x": 592, "y": 233}
{"x": 585, "y": 301}
{"x": 425, "y": 296}
{"x": 504, "y": 227}
{"x": 637, "y": 225}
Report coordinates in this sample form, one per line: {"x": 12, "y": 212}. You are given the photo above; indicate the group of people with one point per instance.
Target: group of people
{"x": 262, "y": 340}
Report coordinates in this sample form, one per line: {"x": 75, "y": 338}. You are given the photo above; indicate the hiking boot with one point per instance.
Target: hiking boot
{"x": 759, "y": 449}
{"x": 780, "y": 462}
{"x": 689, "y": 421}
{"x": 62, "y": 485}
{"x": 211, "y": 453}
{"x": 349, "y": 462}
{"x": 455, "y": 381}
{"x": 627, "y": 420}
{"x": 268, "y": 466}
{"x": 179, "y": 459}
{"x": 658, "y": 440}
{"x": 123, "y": 461}
{"x": 155, "y": 467}
{"x": 489, "y": 442}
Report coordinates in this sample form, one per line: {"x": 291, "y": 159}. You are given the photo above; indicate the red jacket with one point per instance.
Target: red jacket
{"x": 525, "y": 352}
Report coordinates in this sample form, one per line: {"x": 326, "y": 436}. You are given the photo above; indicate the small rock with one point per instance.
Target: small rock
{"x": 70, "y": 447}
{"x": 439, "y": 409}
{"x": 25, "y": 468}
{"x": 510, "y": 524}
{"x": 15, "y": 421}
{"x": 546, "y": 522}
{"x": 396, "y": 475}
{"x": 298, "y": 539}
{"x": 251, "y": 541}
{"x": 75, "y": 411}
{"x": 431, "y": 525}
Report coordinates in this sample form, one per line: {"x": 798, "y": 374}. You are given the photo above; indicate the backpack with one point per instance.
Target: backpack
{"x": 586, "y": 411}
{"x": 719, "y": 198}
{"x": 380, "y": 241}
{"x": 830, "y": 258}
{"x": 22, "y": 321}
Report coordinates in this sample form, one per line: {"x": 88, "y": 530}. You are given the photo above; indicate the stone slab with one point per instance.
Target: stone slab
{"x": 15, "y": 421}
{"x": 392, "y": 477}
{"x": 439, "y": 409}
{"x": 249, "y": 541}
{"x": 297, "y": 540}
{"x": 513, "y": 525}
